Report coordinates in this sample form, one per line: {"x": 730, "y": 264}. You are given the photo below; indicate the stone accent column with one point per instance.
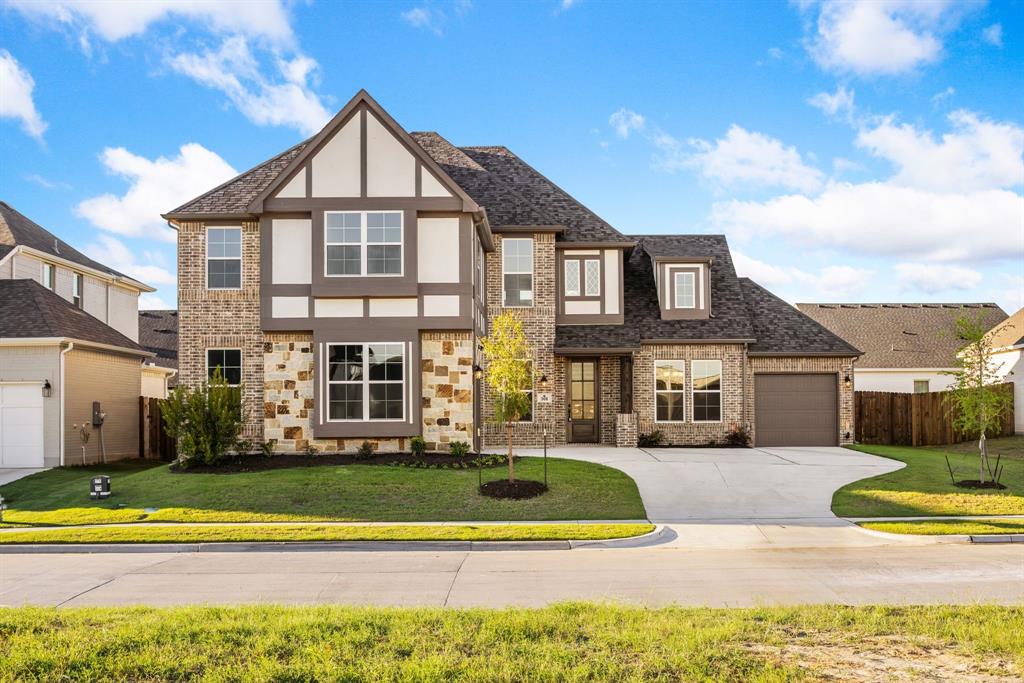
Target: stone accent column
{"x": 447, "y": 386}
{"x": 625, "y": 430}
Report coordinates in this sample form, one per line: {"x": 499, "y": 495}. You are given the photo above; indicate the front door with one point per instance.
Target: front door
{"x": 583, "y": 390}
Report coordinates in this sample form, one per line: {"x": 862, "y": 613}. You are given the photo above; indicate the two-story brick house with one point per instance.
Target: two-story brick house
{"x": 345, "y": 284}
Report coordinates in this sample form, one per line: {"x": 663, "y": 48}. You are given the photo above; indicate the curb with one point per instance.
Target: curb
{"x": 997, "y": 538}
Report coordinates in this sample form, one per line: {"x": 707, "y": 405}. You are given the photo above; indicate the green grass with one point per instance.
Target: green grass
{"x": 576, "y": 642}
{"x": 923, "y": 487}
{"x": 939, "y": 527}
{"x": 377, "y": 493}
{"x": 261, "y": 532}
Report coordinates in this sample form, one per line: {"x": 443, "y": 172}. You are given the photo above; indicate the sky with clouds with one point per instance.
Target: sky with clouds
{"x": 851, "y": 151}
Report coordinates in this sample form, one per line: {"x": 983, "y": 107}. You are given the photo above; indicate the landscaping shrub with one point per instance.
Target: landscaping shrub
{"x": 738, "y": 436}
{"x": 206, "y": 421}
{"x": 459, "y": 449}
{"x": 267, "y": 447}
{"x": 417, "y": 445}
{"x": 365, "y": 451}
{"x": 651, "y": 439}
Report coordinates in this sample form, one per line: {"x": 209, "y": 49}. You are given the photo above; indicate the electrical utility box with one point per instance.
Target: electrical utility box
{"x": 97, "y": 414}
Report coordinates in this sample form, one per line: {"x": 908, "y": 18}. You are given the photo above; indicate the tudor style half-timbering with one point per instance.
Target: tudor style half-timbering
{"x": 346, "y": 282}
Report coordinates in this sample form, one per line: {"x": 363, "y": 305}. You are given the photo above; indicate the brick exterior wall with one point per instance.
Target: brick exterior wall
{"x": 689, "y": 433}
{"x": 446, "y": 365}
{"x": 230, "y": 319}
{"x": 842, "y": 367}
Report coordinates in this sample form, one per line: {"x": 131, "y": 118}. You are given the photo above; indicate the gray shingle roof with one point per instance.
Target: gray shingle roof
{"x": 901, "y": 335}
{"x": 780, "y": 328}
{"x": 17, "y": 229}
{"x": 29, "y": 310}
{"x": 158, "y": 332}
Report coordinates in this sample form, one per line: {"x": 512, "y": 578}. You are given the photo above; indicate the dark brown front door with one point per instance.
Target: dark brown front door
{"x": 583, "y": 390}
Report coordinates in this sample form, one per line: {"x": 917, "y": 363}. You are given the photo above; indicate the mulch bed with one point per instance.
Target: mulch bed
{"x": 259, "y": 463}
{"x": 975, "y": 484}
{"x": 514, "y": 490}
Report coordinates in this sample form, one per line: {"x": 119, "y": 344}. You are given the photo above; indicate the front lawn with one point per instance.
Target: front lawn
{"x": 573, "y": 642}
{"x": 941, "y": 527}
{"x": 923, "y": 487}
{"x": 375, "y": 493}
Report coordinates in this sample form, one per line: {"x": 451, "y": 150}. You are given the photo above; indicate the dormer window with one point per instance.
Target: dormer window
{"x": 582, "y": 276}
{"x": 362, "y": 243}
{"x": 686, "y": 291}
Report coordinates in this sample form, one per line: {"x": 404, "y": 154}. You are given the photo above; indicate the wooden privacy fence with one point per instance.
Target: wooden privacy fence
{"x": 154, "y": 442}
{"x": 891, "y": 418}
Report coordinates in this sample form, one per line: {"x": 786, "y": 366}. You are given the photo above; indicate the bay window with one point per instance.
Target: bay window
{"x": 366, "y": 382}
{"x": 707, "y": 390}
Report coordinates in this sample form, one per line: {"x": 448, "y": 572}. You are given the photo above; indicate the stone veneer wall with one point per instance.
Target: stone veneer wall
{"x": 842, "y": 367}
{"x": 209, "y": 319}
{"x": 689, "y": 433}
{"x": 539, "y": 325}
{"x": 447, "y": 388}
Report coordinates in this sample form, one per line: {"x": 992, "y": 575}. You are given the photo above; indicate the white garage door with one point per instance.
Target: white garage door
{"x": 21, "y": 425}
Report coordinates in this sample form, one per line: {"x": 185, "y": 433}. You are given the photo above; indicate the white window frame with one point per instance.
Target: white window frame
{"x": 531, "y": 391}
{"x": 694, "y": 391}
{"x": 533, "y": 277}
{"x": 565, "y": 276}
{"x": 241, "y": 362}
{"x": 681, "y": 392}
{"x": 77, "y": 287}
{"x": 364, "y": 243}
{"x": 206, "y": 263}
{"x": 48, "y": 274}
{"x": 927, "y": 386}
{"x": 677, "y": 289}
{"x": 365, "y": 382}
{"x": 587, "y": 263}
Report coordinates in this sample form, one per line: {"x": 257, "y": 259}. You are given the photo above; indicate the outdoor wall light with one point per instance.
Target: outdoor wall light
{"x": 47, "y": 389}
{"x": 478, "y": 372}
{"x": 543, "y": 382}
{"x": 847, "y": 382}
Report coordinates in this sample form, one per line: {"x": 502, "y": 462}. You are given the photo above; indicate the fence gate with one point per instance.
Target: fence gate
{"x": 154, "y": 442}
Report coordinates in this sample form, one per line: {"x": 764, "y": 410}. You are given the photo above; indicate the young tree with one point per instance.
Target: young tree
{"x": 206, "y": 421}
{"x": 509, "y": 373}
{"x": 976, "y": 401}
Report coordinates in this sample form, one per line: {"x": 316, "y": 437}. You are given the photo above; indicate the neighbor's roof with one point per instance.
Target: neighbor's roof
{"x": 1008, "y": 333}
{"x": 29, "y": 311}
{"x": 902, "y": 335}
{"x": 158, "y": 332}
{"x": 16, "y": 229}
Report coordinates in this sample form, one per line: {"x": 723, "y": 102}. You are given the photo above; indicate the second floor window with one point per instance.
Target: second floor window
{"x": 224, "y": 258}
{"x": 362, "y": 243}
{"x": 686, "y": 295}
{"x": 49, "y": 276}
{"x": 517, "y": 272}
{"x": 77, "y": 283}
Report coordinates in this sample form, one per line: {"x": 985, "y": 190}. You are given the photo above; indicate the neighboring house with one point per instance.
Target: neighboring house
{"x": 158, "y": 333}
{"x": 908, "y": 348}
{"x": 56, "y": 360}
{"x": 347, "y": 281}
{"x": 1007, "y": 339}
{"x": 68, "y": 338}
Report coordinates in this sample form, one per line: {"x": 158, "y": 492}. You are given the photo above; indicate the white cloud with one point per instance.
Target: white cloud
{"x": 113, "y": 252}
{"x": 1010, "y": 292}
{"x": 155, "y": 187}
{"x": 839, "y": 103}
{"x": 829, "y": 282}
{"x": 430, "y": 17}
{"x": 152, "y": 302}
{"x": 235, "y": 71}
{"x": 16, "y": 86}
{"x": 567, "y": 4}
{"x": 885, "y": 219}
{"x": 932, "y": 278}
{"x": 978, "y": 154}
{"x": 626, "y": 121}
{"x": 945, "y": 94}
{"x": 46, "y": 183}
{"x": 880, "y": 37}
{"x": 744, "y": 156}
{"x": 993, "y": 35}
{"x": 114, "y": 21}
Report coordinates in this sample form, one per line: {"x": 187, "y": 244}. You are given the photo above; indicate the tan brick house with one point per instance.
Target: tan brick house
{"x": 345, "y": 284}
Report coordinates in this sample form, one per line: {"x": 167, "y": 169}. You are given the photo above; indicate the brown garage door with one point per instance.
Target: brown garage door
{"x": 795, "y": 410}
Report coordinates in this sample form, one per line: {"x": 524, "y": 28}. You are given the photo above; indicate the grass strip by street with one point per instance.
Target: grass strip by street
{"x": 923, "y": 487}
{"x": 186, "y": 533}
{"x": 147, "y": 491}
{"x": 573, "y": 641}
{"x": 940, "y": 527}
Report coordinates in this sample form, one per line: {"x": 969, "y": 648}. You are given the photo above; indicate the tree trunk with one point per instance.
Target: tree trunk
{"x": 983, "y": 463}
{"x": 511, "y": 472}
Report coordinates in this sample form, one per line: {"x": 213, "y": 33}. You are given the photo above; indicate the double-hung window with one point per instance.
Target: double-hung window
{"x": 686, "y": 293}
{"x": 363, "y": 243}
{"x": 223, "y": 258}
{"x": 49, "y": 276}
{"x": 528, "y": 390}
{"x": 230, "y": 363}
{"x": 77, "y": 281}
{"x": 707, "y": 390}
{"x": 366, "y": 382}
{"x": 669, "y": 390}
{"x": 517, "y": 272}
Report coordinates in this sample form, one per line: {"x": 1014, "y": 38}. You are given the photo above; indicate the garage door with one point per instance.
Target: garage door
{"x": 795, "y": 410}
{"x": 21, "y": 425}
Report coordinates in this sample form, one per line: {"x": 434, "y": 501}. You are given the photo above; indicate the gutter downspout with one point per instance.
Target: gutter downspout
{"x": 746, "y": 368}
{"x": 71, "y": 345}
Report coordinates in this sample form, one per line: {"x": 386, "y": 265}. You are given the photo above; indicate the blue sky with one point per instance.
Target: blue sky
{"x": 851, "y": 151}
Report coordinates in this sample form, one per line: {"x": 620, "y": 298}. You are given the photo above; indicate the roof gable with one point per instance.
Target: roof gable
{"x": 1008, "y": 333}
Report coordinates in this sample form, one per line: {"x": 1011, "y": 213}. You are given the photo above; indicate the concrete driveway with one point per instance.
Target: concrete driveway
{"x": 9, "y": 474}
{"x": 743, "y": 497}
